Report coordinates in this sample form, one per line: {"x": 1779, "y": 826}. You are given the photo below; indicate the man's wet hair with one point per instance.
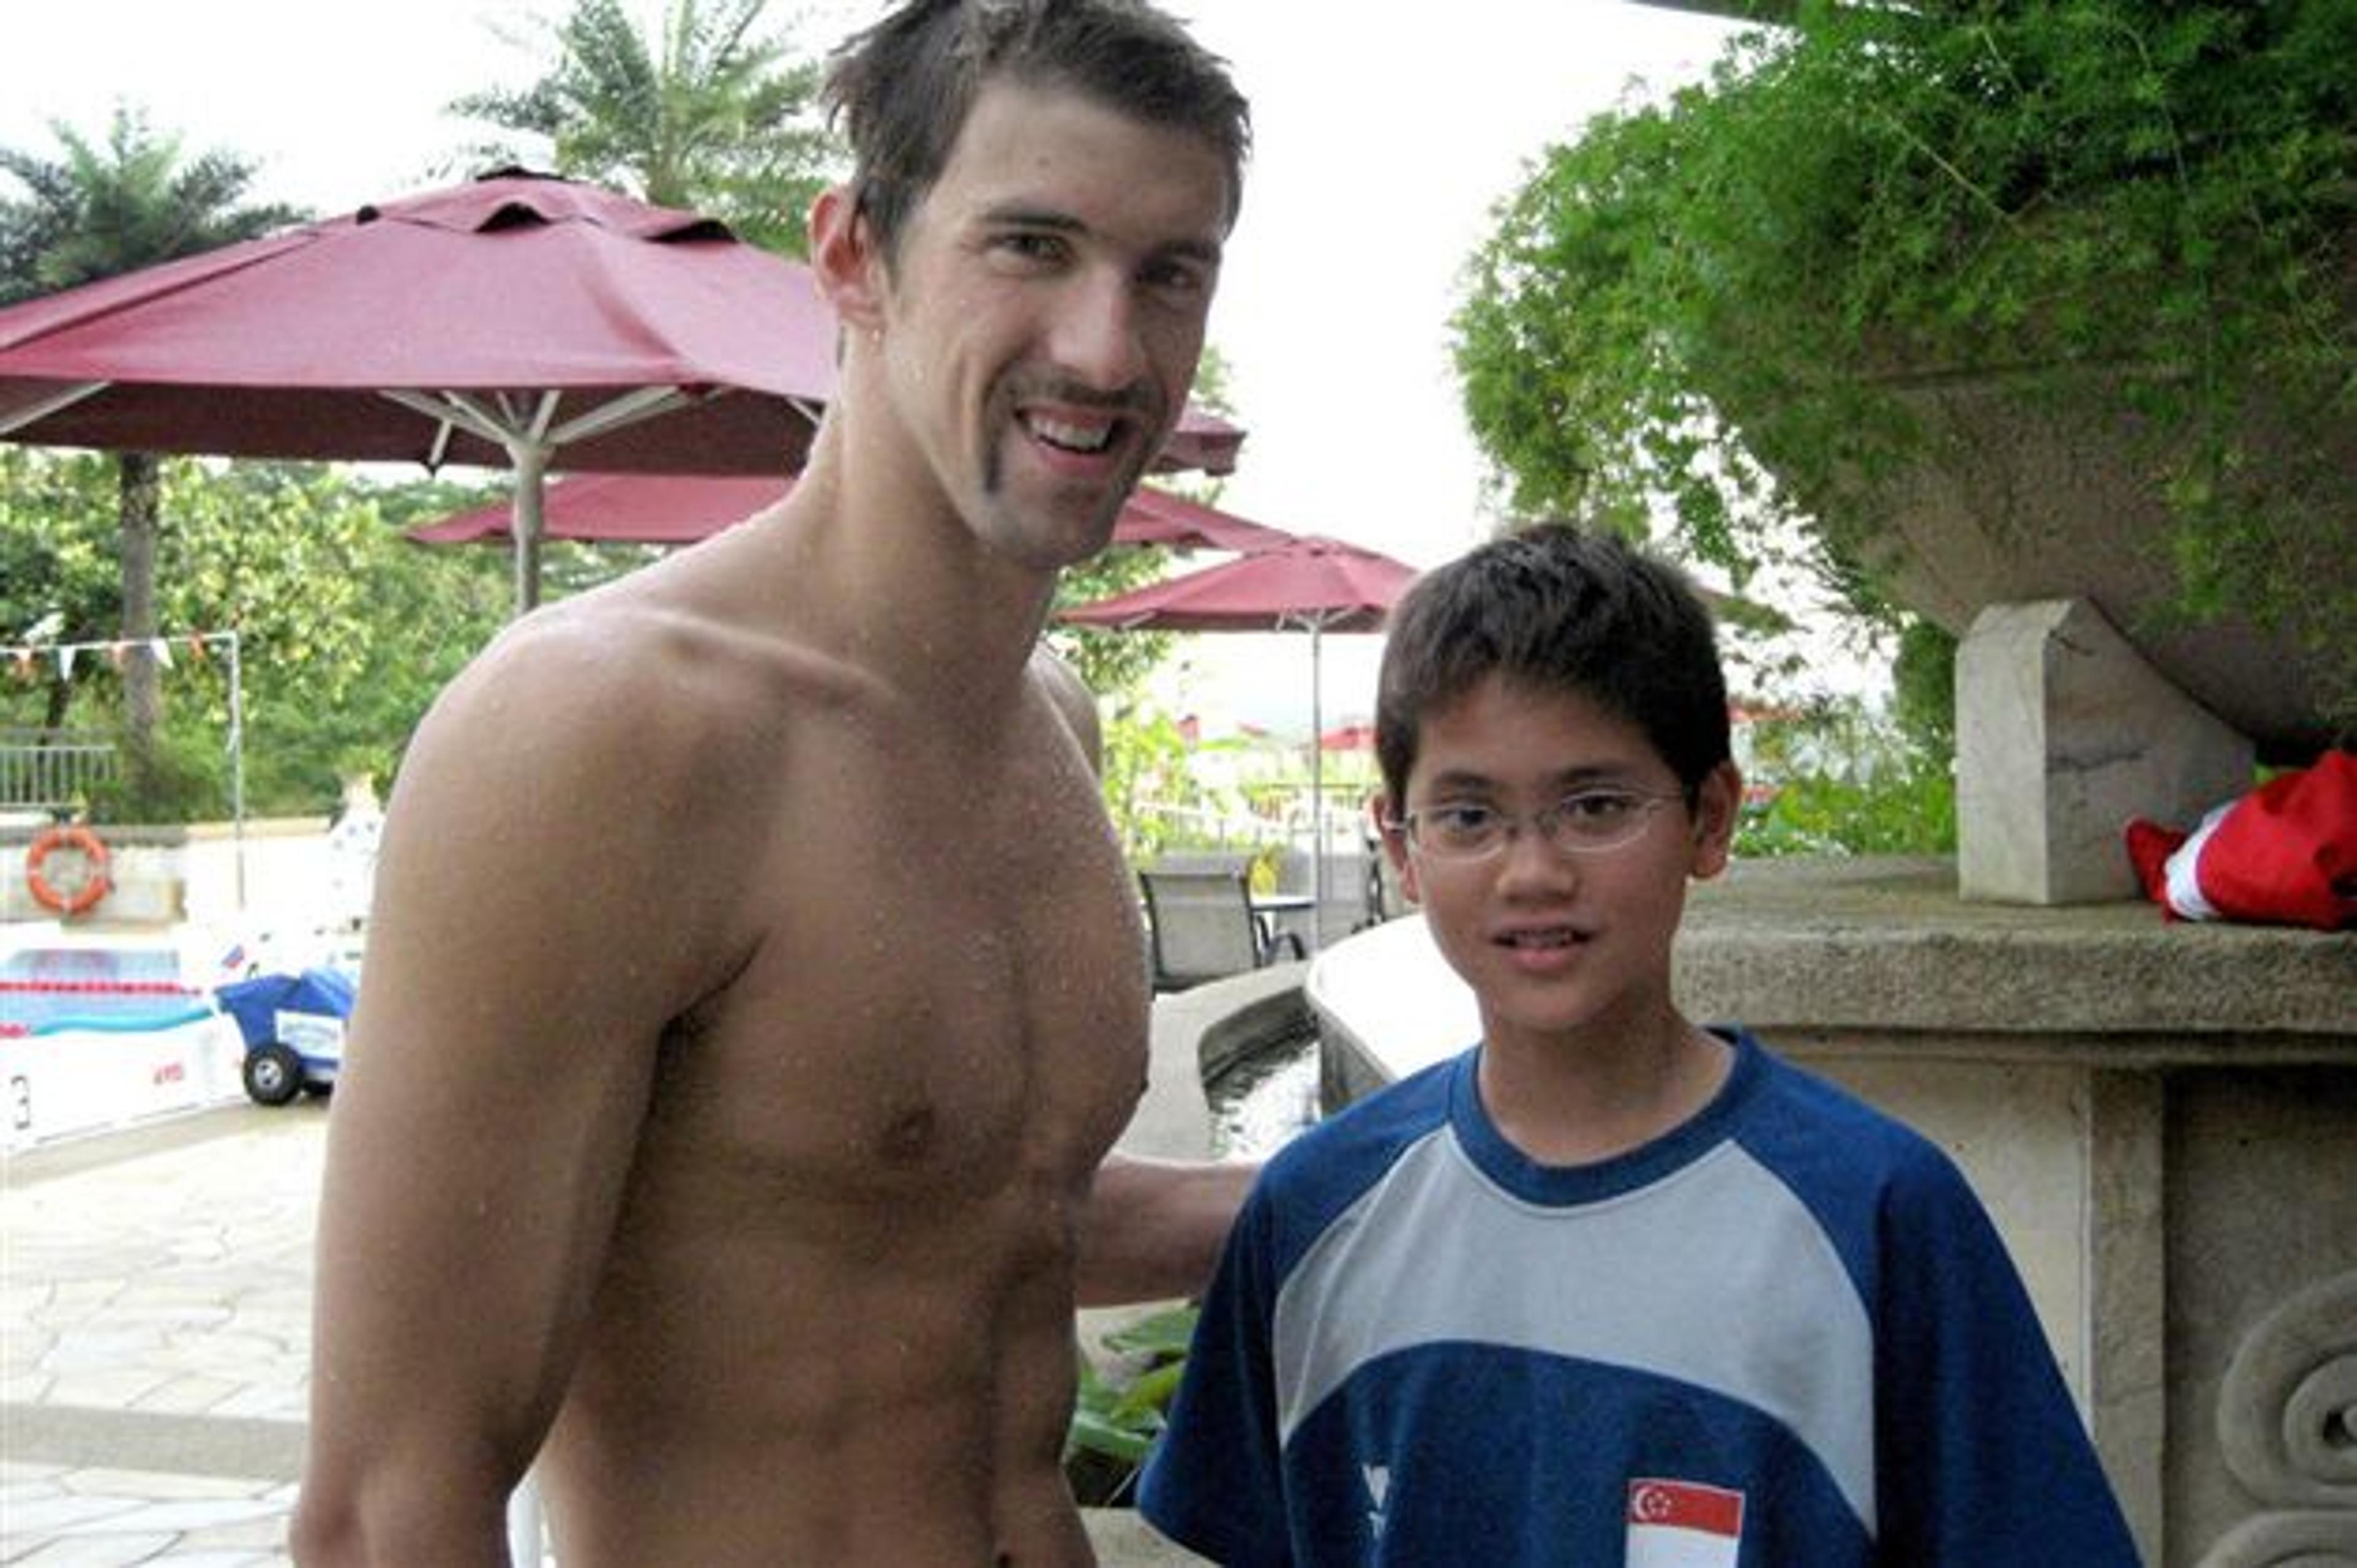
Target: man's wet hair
{"x": 901, "y": 91}
{"x": 1552, "y": 609}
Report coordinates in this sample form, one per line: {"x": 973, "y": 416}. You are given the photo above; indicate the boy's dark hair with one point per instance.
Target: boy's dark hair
{"x": 901, "y": 89}
{"x": 1552, "y": 609}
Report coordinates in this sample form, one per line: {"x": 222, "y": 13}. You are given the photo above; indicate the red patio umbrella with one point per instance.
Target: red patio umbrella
{"x": 623, "y": 509}
{"x": 680, "y": 509}
{"x": 1307, "y": 583}
{"x": 516, "y": 321}
{"x": 1157, "y": 517}
{"x": 1348, "y": 737}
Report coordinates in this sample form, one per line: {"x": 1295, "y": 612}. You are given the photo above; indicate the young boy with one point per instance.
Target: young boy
{"x": 1609, "y": 1288}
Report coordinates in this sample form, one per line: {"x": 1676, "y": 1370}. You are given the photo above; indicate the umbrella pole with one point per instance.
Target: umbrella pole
{"x": 1316, "y": 794}
{"x": 237, "y": 765}
{"x": 531, "y": 469}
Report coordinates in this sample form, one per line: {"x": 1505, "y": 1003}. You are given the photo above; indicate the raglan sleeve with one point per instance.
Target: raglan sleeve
{"x": 1981, "y": 1455}
{"x": 1214, "y": 1482}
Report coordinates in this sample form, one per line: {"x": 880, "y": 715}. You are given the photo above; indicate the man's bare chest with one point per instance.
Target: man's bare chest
{"x": 932, "y": 1009}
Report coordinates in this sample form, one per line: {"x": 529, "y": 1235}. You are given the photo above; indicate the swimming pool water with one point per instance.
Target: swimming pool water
{"x": 1266, "y": 1096}
{"x": 43, "y": 989}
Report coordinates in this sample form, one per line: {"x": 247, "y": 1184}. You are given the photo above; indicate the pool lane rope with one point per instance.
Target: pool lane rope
{"x": 177, "y": 1002}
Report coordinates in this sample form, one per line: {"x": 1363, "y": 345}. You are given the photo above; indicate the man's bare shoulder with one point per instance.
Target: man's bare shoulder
{"x": 600, "y": 760}
{"x": 636, "y": 675}
{"x": 1074, "y": 703}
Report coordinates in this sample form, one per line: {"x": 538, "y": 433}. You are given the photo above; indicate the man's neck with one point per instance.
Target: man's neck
{"x": 904, "y": 586}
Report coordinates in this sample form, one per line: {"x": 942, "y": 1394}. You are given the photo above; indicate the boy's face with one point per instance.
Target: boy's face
{"x": 1559, "y": 948}
{"x": 1041, "y": 325}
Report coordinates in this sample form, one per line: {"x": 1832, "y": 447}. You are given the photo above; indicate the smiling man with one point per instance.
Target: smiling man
{"x": 755, "y": 986}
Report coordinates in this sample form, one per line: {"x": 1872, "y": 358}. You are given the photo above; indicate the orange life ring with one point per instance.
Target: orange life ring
{"x": 95, "y": 884}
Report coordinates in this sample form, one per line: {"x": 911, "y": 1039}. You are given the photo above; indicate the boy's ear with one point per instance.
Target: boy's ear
{"x": 845, "y": 260}
{"x": 1716, "y": 805}
{"x": 1379, "y": 811}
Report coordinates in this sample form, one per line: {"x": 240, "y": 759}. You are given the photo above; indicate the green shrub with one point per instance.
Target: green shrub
{"x": 1694, "y": 311}
{"x": 1121, "y": 1410}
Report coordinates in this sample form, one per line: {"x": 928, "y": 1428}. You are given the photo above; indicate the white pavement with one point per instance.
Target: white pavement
{"x": 155, "y": 1340}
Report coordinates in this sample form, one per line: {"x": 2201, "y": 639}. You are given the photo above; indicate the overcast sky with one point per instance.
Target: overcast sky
{"x": 1386, "y": 130}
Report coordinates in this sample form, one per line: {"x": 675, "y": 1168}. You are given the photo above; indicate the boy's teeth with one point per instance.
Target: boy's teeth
{"x": 1558, "y": 938}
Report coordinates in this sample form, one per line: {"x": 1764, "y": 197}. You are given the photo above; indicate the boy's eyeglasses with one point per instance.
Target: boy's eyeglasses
{"x": 1589, "y": 823}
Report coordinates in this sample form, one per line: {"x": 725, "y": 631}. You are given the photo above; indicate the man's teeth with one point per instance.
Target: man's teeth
{"x": 1072, "y": 437}
{"x": 1555, "y": 939}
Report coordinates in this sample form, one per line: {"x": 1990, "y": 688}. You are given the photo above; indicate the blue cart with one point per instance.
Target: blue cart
{"x": 294, "y": 1029}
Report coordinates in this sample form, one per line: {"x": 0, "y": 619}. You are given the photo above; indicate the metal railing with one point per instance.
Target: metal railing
{"x": 49, "y": 770}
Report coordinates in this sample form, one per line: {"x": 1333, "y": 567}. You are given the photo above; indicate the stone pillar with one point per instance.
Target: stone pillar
{"x": 2128, "y": 1295}
{"x": 2063, "y": 734}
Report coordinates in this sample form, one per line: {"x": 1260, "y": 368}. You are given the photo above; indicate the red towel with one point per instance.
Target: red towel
{"x": 2284, "y": 855}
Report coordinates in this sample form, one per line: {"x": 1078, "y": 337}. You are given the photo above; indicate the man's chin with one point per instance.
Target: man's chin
{"x": 1047, "y": 539}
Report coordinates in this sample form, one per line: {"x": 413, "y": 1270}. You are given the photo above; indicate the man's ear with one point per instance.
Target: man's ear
{"x": 845, "y": 260}
{"x": 1716, "y": 805}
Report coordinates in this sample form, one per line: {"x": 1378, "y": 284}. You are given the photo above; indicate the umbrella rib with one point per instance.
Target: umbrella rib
{"x": 505, "y": 428}
{"x": 629, "y": 408}
{"x": 453, "y": 408}
{"x": 499, "y": 423}
{"x": 50, "y": 405}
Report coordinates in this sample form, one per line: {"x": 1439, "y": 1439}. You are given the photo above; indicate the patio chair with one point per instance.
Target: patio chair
{"x": 1203, "y": 926}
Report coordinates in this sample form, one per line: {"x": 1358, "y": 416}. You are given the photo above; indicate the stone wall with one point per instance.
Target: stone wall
{"x": 291, "y": 875}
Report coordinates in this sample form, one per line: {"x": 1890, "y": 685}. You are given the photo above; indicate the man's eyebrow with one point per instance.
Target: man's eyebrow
{"x": 1205, "y": 252}
{"x": 1024, "y": 215}
{"x": 1050, "y": 220}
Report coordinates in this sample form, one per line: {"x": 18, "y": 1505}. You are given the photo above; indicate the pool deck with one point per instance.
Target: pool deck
{"x": 155, "y": 1289}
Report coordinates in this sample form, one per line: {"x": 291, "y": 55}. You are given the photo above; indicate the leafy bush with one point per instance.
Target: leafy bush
{"x": 2156, "y": 192}
{"x": 1838, "y": 779}
{"x": 346, "y": 629}
{"x": 1909, "y": 810}
{"x": 1120, "y": 1410}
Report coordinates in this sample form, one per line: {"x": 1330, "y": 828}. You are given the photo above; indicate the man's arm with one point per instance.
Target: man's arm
{"x": 501, "y": 1060}
{"x": 1155, "y": 1227}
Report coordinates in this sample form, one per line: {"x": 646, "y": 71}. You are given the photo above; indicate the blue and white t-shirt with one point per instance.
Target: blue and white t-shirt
{"x": 1784, "y": 1333}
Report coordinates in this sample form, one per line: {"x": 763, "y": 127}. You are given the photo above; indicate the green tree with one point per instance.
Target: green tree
{"x": 713, "y": 116}
{"x": 347, "y": 630}
{"x": 59, "y": 581}
{"x": 101, "y": 211}
{"x": 1725, "y": 309}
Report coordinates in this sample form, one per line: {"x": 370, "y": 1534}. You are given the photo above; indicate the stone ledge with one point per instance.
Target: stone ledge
{"x": 1887, "y": 944}
{"x": 234, "y": 1447}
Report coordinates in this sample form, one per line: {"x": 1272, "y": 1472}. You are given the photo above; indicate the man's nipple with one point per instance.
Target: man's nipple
{"x": 908, "y": 1137}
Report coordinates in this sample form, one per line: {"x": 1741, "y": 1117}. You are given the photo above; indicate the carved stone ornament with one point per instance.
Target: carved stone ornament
{"x": 2287, "y": 1425}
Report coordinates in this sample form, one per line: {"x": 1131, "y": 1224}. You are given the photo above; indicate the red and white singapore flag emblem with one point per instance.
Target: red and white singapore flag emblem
{"x": 1683, "y": 1524}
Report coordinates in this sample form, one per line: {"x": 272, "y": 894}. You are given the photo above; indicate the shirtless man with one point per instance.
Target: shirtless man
{"x": 755, "y": 985}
